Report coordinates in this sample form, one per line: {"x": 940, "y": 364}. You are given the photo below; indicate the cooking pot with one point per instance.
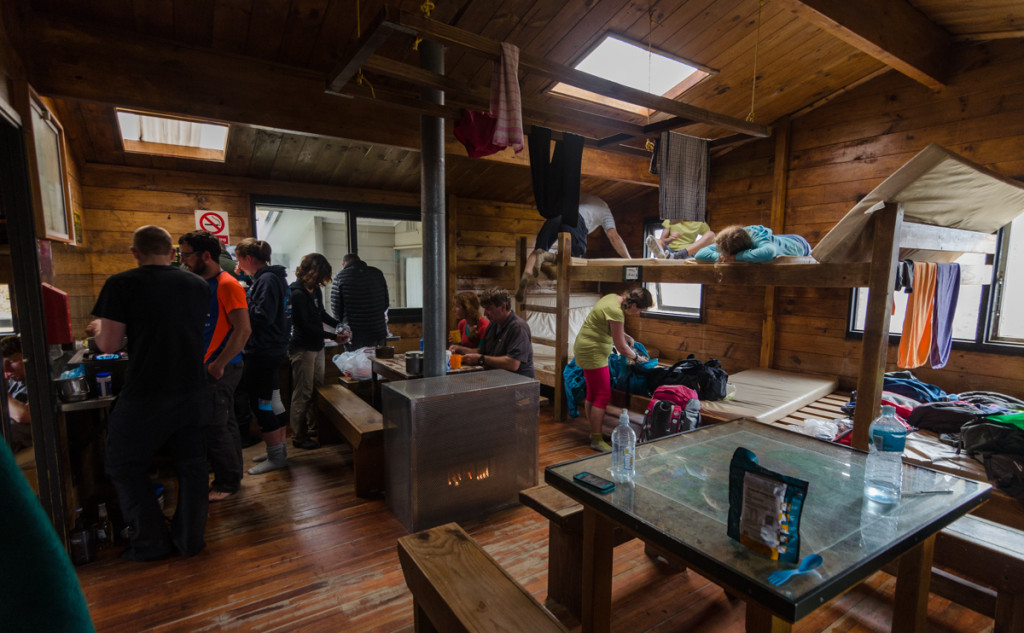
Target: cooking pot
{"x": 73, "y": 389}
{"x": 414, "y": 363}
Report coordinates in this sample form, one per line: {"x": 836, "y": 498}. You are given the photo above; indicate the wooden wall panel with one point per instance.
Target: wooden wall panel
{"x": 846, "y": 148}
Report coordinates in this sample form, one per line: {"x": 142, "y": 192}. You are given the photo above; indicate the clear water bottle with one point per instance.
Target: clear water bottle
{"x": 883, "y": 473}
{"x": 623, "y": 449}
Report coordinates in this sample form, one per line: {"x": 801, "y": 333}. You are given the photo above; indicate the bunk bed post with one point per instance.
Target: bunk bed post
{"x": 452, "y": 255}
{"x": 884, "y": 256}
{"x": 518, "y": 270}
{"x": 562, "y": 324}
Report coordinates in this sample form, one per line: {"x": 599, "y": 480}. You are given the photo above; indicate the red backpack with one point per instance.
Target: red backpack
{"x": 673, "y": 409}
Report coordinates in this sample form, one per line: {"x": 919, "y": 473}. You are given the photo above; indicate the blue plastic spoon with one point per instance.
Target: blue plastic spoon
{"x": 809, "y": 563}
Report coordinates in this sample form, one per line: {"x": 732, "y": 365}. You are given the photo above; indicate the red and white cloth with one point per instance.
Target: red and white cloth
{"x": 506, "y": 102}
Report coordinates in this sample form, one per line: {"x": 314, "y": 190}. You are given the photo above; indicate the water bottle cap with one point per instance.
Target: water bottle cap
{"x": 888, "y": 410}
{"x": 103, "y": 374}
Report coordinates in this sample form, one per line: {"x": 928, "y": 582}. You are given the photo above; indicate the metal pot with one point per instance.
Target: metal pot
{"x": 73, "y": 389}
{"x": 414, "y": 363}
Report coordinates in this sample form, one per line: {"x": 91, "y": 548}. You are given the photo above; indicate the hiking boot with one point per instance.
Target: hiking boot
{"x": 307, "y": 444}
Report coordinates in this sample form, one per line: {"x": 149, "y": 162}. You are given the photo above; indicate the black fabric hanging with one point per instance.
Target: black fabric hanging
{"x": 556, "y": 177}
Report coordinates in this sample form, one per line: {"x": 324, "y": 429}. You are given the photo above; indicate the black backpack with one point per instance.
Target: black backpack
{"x": 708, "y": 379}
{"x": 985, "y": 437}
{"x": 943, "y": 417}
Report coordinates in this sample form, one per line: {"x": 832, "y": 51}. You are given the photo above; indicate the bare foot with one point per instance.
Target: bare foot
{"x": 217, "y": 495}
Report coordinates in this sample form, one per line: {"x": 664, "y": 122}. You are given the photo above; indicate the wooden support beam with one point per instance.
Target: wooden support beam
{"x": 820, "y": 275}
{"x": 892, "y": 31}
{"x": 360, "y": 50}
{"x": 777, "y": 222}
{"x": 562, "y": 293}
{"x": 941, "y": 238}
{"x": 542, "y": 66}
{"x": 886, "y": 237}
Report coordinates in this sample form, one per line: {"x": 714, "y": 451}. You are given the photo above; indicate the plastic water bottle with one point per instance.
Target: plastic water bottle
{"x": 623, "y": 449}
{"x": 883, "y": 473}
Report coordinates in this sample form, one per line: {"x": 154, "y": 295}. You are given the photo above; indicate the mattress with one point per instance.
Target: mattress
{"x": 766, "y": 395}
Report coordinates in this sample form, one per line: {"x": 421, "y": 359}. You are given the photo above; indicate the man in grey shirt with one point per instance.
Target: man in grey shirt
{"x": 506, "y": 343}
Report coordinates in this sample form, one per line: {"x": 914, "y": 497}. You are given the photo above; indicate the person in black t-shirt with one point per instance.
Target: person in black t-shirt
{"x": 161, "y": 309}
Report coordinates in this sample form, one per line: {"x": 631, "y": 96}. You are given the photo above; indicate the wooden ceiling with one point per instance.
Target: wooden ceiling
{"x": 262, "y": 65}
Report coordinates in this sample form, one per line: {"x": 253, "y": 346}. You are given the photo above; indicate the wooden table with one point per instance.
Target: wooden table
{"x": 394, "y": 369}
{"x": 679, "y": 501}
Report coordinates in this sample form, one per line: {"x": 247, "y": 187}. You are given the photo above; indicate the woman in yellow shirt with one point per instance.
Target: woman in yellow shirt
{"x": 603, "y": 327}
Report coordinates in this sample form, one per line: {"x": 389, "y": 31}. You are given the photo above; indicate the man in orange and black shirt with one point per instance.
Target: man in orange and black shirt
{"x": 226, "y": 331}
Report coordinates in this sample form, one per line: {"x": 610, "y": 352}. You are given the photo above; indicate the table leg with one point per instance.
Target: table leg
{"x": 761, "y": 620}
{"x": 912, "y": 583}
{"x": 375, "y": 391}
{"x": 598, "y": 545}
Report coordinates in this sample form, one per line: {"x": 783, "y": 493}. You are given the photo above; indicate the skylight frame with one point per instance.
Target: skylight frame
{"x": 566, "y": 91}
{"x": 161, "y": 148}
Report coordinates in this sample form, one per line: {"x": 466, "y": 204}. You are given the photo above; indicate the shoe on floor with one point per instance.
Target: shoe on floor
{"x": 600, "y": 445}
{"x": 307, "y": 444}
{"x": 654, "y": 246}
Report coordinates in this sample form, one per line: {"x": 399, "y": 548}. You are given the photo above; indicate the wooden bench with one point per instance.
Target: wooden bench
{"x": 565, "y": 544}
{"x": 458, "y": 588}
{"x": 975, "y": 551}
{"x": 362, "y": 427}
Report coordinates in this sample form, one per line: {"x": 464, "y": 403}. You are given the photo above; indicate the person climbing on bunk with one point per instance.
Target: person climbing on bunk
{"x": 753, "y": 243}
{"x": 681, "y": 240}
{"x": 594, "y": 213}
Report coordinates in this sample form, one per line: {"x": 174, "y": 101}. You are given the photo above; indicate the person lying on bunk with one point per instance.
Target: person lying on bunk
{"x": 753, "y": 243}
{"x": 594, "y": 213}
{"x": 681, "y": 240}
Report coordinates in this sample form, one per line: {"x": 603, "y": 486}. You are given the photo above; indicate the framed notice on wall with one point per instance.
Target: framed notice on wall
{"x": 50, "y": 161}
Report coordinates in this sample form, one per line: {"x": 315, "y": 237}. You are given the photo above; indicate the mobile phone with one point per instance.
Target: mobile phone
{"x": 591, "y": 480}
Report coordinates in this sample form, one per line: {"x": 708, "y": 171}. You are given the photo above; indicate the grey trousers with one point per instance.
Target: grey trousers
{"x": 307, "y": 375}
{"x": 223, "y": 443}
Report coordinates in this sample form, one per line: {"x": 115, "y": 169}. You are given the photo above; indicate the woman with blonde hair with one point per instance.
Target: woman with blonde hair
{"x": 471, "y": 325}
{"x": 306, "y": 349}
{"x": 603, "y": 327}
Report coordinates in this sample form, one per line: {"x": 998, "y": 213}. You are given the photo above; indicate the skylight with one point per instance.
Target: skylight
{"x": 630, "y": 64}
{"x": 170, "y": 136}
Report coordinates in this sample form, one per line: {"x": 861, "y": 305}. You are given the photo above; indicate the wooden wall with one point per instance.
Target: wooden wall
{"x": 839, "y": 153}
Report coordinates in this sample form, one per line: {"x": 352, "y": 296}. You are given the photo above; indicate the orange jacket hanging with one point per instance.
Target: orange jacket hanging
{"x": 916, "y": 341}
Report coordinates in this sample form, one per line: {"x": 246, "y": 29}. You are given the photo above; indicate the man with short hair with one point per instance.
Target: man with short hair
{"x": 506, "y": 343}
{"x": 594, "y": 214}
{"x": 161, "y": 309}
{"x": 359, "y": 297}
{"x": 225, "y": 332}
{"x": 17, "y": 394}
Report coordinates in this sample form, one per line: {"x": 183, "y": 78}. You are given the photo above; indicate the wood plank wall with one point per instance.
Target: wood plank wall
{"x": 844, "y": 149}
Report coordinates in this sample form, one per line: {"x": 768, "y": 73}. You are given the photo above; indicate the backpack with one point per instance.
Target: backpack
{"x": 988, "y": 436}
{"x": 708, "y": 379}
{"x": 673, "y": 409}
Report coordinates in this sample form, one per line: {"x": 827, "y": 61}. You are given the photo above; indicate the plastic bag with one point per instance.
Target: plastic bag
{"x": 356, "y": 363}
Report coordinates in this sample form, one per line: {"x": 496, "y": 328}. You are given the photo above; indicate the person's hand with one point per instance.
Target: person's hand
{"x": 216, "y": 370}
{"x": 472, "y": 359}
{"x": 93, "y": 328}
{"x": 726, "y": 259}
{"x": 343, "y": 338}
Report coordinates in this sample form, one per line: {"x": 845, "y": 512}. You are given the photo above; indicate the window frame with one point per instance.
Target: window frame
{"x": 353, "y": 211}
{"x": 988, "y": 304}
{"x": 652, "y": 312}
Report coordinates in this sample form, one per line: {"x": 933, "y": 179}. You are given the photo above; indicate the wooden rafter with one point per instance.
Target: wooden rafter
{"x": 410, "y": 22}
{"x": 892, "y": 31}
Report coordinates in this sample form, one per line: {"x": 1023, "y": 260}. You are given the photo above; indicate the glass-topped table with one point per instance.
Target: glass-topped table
{"x": 679, "y": 501}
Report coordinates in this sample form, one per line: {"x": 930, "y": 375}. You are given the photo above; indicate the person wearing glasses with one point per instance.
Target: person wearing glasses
{"x": 225, "y": 333}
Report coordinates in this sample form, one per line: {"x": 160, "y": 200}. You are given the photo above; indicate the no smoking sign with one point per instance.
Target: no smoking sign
{"x": 215, "y": 222}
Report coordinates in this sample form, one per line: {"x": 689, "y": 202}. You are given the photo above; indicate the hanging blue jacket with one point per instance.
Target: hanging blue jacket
{"x": 767, "y": 246}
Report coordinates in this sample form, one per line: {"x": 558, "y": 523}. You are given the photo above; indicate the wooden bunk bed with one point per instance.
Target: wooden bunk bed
{"x": 934, "y": 208}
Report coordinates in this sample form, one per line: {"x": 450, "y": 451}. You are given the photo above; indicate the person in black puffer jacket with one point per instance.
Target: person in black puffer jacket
{"x": 270, "y": 314}
{"x": 359, "y": 297}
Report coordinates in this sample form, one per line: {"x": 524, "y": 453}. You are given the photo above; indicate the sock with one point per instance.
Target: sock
{"x": 597, "y": 442}
{"x": 277, "y": 458}
{"x": 262, "y": 457}
{"x": 521, "y": 290}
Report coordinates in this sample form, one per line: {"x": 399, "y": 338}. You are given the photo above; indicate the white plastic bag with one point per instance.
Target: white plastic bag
{"x": 356, "y": 363}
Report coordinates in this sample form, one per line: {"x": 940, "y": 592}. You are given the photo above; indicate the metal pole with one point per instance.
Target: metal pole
{"x": 433, "y": 216}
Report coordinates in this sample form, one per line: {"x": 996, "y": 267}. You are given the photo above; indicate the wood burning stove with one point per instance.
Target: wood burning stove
{"x": 459, "y": 447}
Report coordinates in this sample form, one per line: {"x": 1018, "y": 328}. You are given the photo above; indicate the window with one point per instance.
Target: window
{"x": 390, "y": 239}
{"x": 987, "y": 318}
{"x": 172, "y": 136}
{"x": 632, "y": 64}
{"x": 671, "y": 299}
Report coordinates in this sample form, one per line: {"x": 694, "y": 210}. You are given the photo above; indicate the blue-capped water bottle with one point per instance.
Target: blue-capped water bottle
{"x": 883, "y": 473}
{"x": 623, "y": 449}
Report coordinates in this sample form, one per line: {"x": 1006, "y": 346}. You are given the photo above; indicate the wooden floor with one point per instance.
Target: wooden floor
{"x": 297, "y": 551}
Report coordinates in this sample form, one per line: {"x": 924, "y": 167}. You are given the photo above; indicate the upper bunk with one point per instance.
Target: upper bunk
{"x": 942, "y": 204}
